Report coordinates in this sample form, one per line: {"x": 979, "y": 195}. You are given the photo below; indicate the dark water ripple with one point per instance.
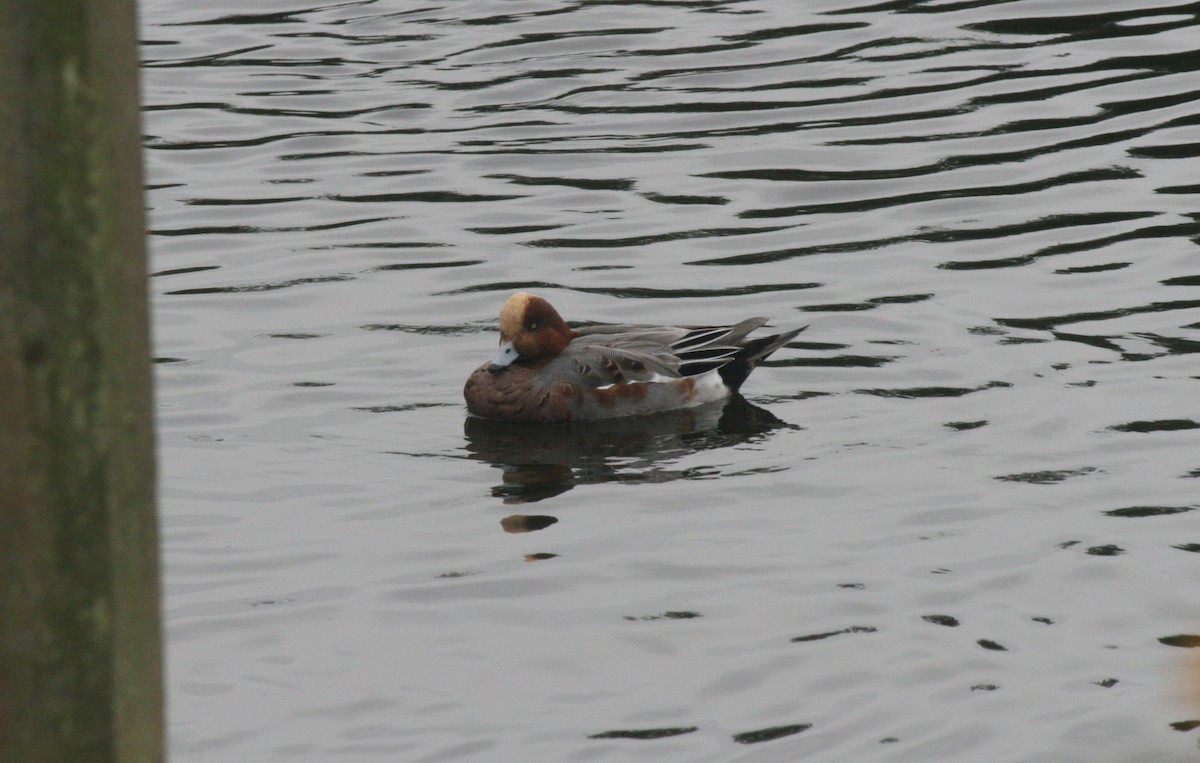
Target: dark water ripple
{"x": 987, "y": 210}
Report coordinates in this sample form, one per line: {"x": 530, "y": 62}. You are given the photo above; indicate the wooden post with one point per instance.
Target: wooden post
{"x": 80, "y": 643}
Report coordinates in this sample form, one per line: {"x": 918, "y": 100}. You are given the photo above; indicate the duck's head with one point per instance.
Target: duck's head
{"x": 531, "y": 331}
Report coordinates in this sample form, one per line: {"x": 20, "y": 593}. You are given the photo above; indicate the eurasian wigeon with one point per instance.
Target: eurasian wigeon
{"x": 547, "y": 371}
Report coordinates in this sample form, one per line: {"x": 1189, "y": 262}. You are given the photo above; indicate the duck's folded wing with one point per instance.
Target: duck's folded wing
{"x": 601, "y": 365}
{"x": 607, "y": 355}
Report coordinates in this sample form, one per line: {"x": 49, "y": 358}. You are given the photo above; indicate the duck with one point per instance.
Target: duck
{"x": 546, "y": 371}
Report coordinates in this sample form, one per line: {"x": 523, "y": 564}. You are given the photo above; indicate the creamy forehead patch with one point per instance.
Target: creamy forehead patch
{"x": 512, "y": 315}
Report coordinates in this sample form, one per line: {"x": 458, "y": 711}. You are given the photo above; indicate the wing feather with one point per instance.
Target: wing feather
{"x": 622, "y": 354}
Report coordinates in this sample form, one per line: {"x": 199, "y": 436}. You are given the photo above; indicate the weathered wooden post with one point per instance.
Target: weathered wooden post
{"x": 80, "y": 646}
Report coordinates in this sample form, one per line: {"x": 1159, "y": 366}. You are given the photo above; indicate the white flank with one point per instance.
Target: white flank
{"x": 709, "y": 387}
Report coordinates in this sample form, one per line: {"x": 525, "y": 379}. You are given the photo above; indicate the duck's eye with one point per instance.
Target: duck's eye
{"x": 531, "y": 326}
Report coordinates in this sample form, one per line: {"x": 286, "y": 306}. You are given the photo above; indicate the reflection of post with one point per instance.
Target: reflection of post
{"x": 80, "y": 651}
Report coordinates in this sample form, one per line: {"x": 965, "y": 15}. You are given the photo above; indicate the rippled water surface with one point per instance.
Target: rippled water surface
{"x": 954, "y": 520}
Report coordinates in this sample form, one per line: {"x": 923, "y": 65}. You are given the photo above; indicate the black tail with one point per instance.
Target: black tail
{"x": 753, "y": 352}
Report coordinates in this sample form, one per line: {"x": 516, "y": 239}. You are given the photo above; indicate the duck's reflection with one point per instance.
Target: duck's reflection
{"x": 539, "y": 461}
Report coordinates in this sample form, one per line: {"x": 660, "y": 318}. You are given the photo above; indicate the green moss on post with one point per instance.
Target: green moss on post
{"x": 80, "y": 645}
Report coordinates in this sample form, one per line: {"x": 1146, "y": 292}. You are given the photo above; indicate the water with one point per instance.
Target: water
{"x": 954, "y": 520}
